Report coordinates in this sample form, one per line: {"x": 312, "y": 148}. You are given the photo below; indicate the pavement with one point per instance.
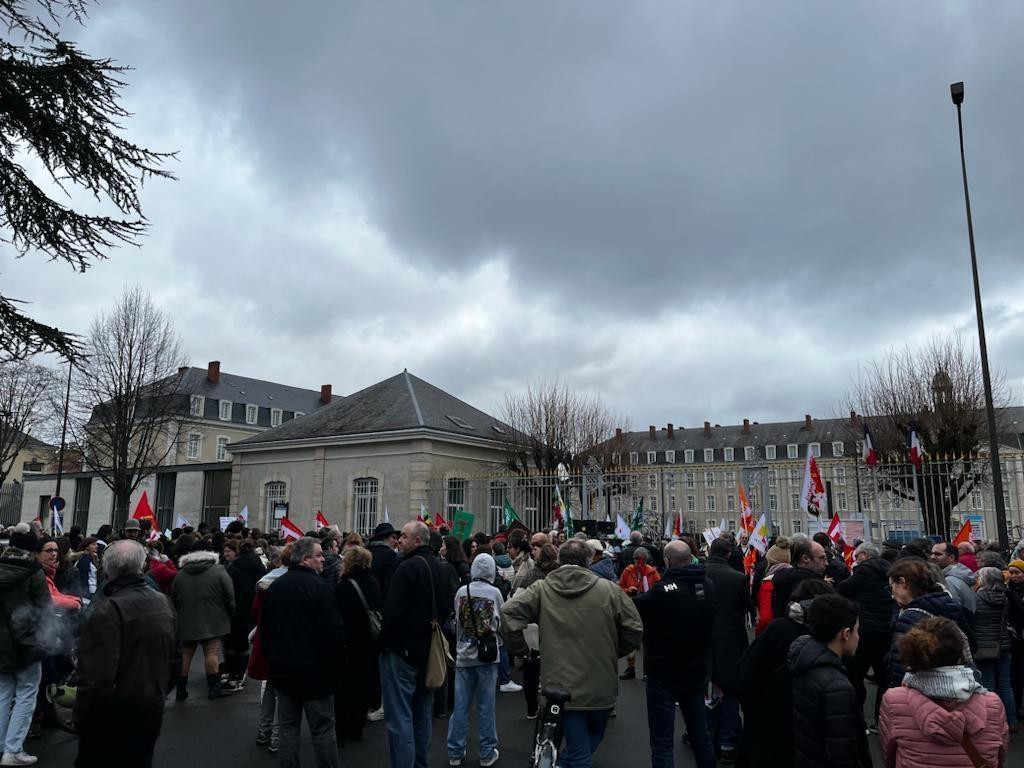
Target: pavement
{"x": 199, "y": 733}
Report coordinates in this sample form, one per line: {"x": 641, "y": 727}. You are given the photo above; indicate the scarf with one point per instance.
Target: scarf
{"x": 50, "y": 569}
{"x": 956, "y": 683}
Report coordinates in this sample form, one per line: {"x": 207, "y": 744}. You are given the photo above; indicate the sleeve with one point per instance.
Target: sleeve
{"x": 886, "y": 741}
{"x": 631, "y": 628}
{"x": 843, "y": 724}
{"x": 99, "y": 651}
{"x": 624, "y": 578}
{"x": 67, "y": 602}
{"x": 851, "y": 587}
{"x": 395, "y": 607}
{"x": 519, "y": 611}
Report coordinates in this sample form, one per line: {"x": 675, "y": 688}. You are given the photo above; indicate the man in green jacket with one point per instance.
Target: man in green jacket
{"x": 586, "y": 625}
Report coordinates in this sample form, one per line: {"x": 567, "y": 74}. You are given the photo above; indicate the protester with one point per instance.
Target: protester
{"x": 268, "y": 728}
{"x": 835, "y": 567}
{"x": 382, "y": 551}
{"x": 48, "y": 554}
{"x": 601, "y": 564}
{"x": 1015, "y": 584}
{"x": 503, "y": 563}
{"x": 959, "y": 578}
{"x": 25, "y": 598}
{"x": 87, "y": 566}
{"x": 330, "y": 542}
{"x": 828, "y": 721}
{"x": 161, "y": 568}
{"x": 636, "y": 579}
{"x": 302, "y": 639}
{"x": 357, "y": 594}
{"x": 808, "y": 559}
{"x": 625, "y": 559}
{"x": 453, "y": 553}
{"x": 528, "y": 572}
{"x": 128, "y": 657}
{"x": 586, "y": 625}
{"x": 941, "y": 714}
{"x": 204, "y": 599}
{"x": 245, "y": 572}
{"x": 477, "y": 609}
{"x": 966, "y": 555}
{"x": 777, "y": 557}
{"x": 678, "y": 614}
{"x": 418, "y": 598}
{"x": 997, "y": 612}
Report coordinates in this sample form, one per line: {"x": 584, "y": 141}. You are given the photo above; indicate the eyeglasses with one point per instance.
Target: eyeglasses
{"x": 50, "y": 551}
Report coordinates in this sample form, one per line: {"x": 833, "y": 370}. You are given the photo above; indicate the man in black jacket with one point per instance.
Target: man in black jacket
{"x": 625, "y": 558}
{"x": 809, "y": 561}
{"x": 384, "y": 558}
{"x": 828, "y": 720}
{"x": 128, "y": 656}
{"x": 302, "y": 637}
{"x": 728, "y": 641}
{"x": 419, "y": 596}
{"x": 678, "y": 613}
{"x": 835, "y": 567}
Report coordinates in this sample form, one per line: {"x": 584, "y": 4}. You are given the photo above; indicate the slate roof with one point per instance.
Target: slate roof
{"x": 241, "y": 389}
{"x": 401, "y": 402}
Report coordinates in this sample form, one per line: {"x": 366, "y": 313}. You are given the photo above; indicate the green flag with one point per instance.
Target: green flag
{"x": 462, "y": 524}
{"x": 562, "y": 511}
{"x": 510, "y": 514}
{"x": 638, "y": 517}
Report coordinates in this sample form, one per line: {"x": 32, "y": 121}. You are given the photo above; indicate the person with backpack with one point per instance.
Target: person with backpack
{"x": 477, "y": 621}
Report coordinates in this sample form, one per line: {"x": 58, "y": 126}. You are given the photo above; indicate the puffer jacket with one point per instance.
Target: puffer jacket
{"x": 915, "y": 731}
{"x": 765, "y": 592}
{"x": 24, "y": 597}
{"x": 991, "y": 617}
{"x": 960, "y": 583}
{"x": 923, "y": 607}
{"x": 586, "y": 625}
{"x": 203, "y": 596}
{"x": 604, "y": 568}
{"x": 828, "y": 719}
{"x": 868, "y": 587}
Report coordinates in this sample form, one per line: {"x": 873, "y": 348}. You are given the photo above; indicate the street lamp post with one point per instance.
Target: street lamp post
{"x": 956, "y": 90}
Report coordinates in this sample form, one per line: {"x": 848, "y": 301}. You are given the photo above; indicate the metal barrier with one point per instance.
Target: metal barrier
{"x": 10, "y": 503}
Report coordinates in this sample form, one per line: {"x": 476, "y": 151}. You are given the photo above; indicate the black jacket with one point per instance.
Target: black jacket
{"x": 245, "y": 570}
{"x": 409, "y": 607}
{"x": 868, "y": 587}
{"x": 678, "y": 614}
{"x": 301, "y": 634}
{"x": 828, "y": 720}
{"x": 923, "y": 607}
{"x": 625, "y": 558}
{"x": 357, "y": 624}
{"x": 729, "y": 635}
{"x": 24, "y": 599}
{"x": 992, "y": 616}
{"x": 128, "y": 652}
{"x": 835, "y": 568}
{"x": 383, "y": 564}
{"x": 783, "y": 584}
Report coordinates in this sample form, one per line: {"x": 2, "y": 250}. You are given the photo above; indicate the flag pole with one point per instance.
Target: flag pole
{"x": 917, "y": 498}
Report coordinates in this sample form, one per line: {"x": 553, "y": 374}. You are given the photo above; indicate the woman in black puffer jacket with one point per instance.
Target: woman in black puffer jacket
{"x": 997, "y": 610}
{"x": 245, "y": 570}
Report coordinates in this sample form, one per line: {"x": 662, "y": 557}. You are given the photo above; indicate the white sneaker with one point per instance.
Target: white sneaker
{"x": 490, "y": 760}
{"x": 18, "y": 758}
{"x": 375, "y": 714}
{"x": 510, "y": 687}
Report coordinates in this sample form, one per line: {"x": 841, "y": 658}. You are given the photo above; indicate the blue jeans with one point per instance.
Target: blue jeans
{"x": 583, "y": 729}
{"x": 470, "y": 682}
{"x": 17, "y": 703}
{"x": 995, "y": 675}
{"x": 661, "y": 716}
{"x": 728, "y": 722}
{"x": 407, "y": 710}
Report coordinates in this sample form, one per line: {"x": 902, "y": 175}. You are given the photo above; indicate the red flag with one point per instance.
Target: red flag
{"x": 677, "y": 524}
{"x": 440, "y": 522}
{"x": 746, "y": 514}
{"x": 916, "y": 453}
{"x": 848, "y": 555}
{"x": 320, "y": 521}
{"x": 835, "y": 528}
{"x": 290, "y": 530}
{"x": 145, "y": 512}
{"x": 870, "y": 452}
{"x": 749, "y": 561}
{"x": 964, "y": 535}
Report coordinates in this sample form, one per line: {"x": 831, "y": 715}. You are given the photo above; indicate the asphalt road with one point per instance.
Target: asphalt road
{"x": 199, "y": 733}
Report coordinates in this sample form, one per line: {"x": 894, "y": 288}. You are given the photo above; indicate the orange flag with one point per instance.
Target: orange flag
{"x": 964, "y": 535}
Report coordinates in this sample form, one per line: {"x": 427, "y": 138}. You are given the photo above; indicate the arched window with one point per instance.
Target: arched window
{"x": 456, "y": 493}
{"x": 275, "y": 493}
{"x": 364, "y": 490}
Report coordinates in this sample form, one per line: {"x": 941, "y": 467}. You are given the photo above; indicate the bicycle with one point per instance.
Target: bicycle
{"x": 547, "y": 738}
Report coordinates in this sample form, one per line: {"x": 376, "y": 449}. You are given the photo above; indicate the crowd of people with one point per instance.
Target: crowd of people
{"x": 768, "y": 657}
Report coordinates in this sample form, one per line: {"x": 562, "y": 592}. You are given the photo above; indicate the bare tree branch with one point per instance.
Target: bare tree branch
{"x": 24, "y": 391}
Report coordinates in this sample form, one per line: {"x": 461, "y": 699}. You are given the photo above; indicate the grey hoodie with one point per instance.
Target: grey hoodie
{"x": 960, "y": 582}
{"x": 479, "y": 603}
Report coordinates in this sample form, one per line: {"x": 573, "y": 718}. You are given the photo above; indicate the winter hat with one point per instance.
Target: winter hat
{"x": 779, "y": 552}
{"x": 24, "y": 538}
{"x": 1018, "y": 564}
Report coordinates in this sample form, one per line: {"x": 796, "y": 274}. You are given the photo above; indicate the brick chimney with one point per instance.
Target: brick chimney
{"x": 213, "y": 371}
{"x": 671, "y": 431}
{"x": 182, "y": 370}
{"x": 325, "y": 393}
{"x": 707, "y": 429}
{"x": 807, "y": 421}
{"x": 618, "y": 433}
{"x": 853, "y": 417}
{"x": 654, "y": 432}
{"x": 746, "y": 426}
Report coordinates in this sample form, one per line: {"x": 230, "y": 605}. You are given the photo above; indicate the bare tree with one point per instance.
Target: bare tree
{"x": 552, "y": 425}
{"x": 938, "y": 389}
{"x": 129, "y": 408}
{"x": 24, "y": 408}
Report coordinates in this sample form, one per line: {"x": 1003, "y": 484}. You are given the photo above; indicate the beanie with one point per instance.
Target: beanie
{"x": 1018, "y": 564}
{"x": 24, "y": 538}
{"x": 779, "y": 552}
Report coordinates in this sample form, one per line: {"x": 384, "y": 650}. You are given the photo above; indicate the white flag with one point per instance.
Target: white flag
{"x": 58, "y": 524}
{"x": 182, "y": 522}
{"x": 759, "y": 538}
{"x": 168, "y": 534}
{"x": 387, "y": 519}
{"x": 621, "y": 528}
{"x": 244, "y": 514}
{"x": 667, "y": 533}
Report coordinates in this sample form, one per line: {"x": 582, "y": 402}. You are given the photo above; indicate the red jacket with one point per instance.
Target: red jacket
{"x": 915, "y": 731}
{"x": 67, "y": 602}
{"x": 764, "y": 605}
{"x": 633, "y": 578}
{"x": 163, "y": 574}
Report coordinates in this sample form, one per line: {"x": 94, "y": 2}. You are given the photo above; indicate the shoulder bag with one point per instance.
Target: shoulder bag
{"x": 439, "y": 657}
{"x": 486, "y": 643}
{"x": 373, "y": 618}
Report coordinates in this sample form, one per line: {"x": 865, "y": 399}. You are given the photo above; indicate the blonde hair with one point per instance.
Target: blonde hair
{"x": 355, "y": 557}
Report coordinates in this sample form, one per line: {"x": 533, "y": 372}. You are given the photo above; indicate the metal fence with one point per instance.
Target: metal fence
{"x": 10, "y": 503}
{"x": 889, "y": 501}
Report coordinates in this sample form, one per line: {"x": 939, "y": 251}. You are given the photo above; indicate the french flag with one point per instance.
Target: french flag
{"x": 914, "y": 444}
{"x": 870, "y": 451}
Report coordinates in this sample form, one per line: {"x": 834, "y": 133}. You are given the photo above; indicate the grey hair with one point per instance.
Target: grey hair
{"x": 419, "y": 531}
{"x": 677, "y": 553}
{"x": 125, "y": 557}
{"x": 868, "y": 548}
{"x": 575, "y": 552}
{"x": 989, "y": 578}
{"x": 635, "y": 537}
{"x": 799, "y": 537}
{"x": 641, "y": 553}
{"x": 303, "y": 548}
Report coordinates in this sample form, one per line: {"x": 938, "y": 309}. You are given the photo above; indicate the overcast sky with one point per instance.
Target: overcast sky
{"x": 699, "y": 211}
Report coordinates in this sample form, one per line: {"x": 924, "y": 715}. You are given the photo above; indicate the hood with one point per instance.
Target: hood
{"x": 16, "y": 566}
{"x": 962, "y": 572}
{"x": 272, "y": 576}
{"x": 571, "y": 580}
{"x": 483, "y": 568}
{"x": 197, "y": 562}
{"x": 798, "y": 612}
{"x": 994, "y": 596}
{"x": 806, "y": 653}
{"x": 944, "y": 722}
{"x": 877, "y": 565}
{"x": 503, "y": 561}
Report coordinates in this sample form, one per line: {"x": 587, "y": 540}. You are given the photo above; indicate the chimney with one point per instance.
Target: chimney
{"x": 707, "y": 429}
{"x": 325, "y": 393}
{"x": 182, "y": 370}
{"x": 671, "y": 431}
{"x": 746, "y": 426}
{"x": 213, "y": 371}
{"x": 853, "y": 417}
{"x": 807, "y": 421}
{"x": 654, "y": 432}
{"x": 618, "y": 432}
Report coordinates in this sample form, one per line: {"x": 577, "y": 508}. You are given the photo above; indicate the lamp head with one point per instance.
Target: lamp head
{"x": 956, "y": 90}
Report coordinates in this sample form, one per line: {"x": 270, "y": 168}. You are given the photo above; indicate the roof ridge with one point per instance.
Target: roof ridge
{"x": 412, "y": 394}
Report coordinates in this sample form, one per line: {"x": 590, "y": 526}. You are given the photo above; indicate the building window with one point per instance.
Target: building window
{"x": 195, "y": 443}
{"x": 691, "y": 503}
{"x": 670, "y": 481}
{"x": 196, "y": 405}
{"x": 769, "y": 451}
{"x": 364, "y": 490}
{"x": 712, "y": 523}
{"x": 841, "y": 500}
{"x": 1006, "y": 499}
{"x": 865, "y": 502}
{"x": 709, "y": 479}
{"x": 837, "y": 448}
{"x": 222, "y": 448}
{"x": 897, "y": 502}
{"x": 840, "y": 475}
{"x": 670, "y": 457}
{"x": 773, "y": 502}
{"x": 792, "y": 451}
{"x": 976, "y": 499}
{"x": 709, "y": 503}
{"x": 730, "y": 477}
{"x": 798, "y": 526}
{"x": 615, "y": 459}
{"x": 275, "y": 493}
{"x": 456, "y": 497}
{"x": 498, "y": 493}
{"x": 634, "y": 458}
{"x": 794, "y": 502}
{"x": 225, "y": 410}
{"x": 688, "y": 456}
{"x": 732, "y": 526}
{"x": 689, "y": 480}
{"x": 730, "y": 503}
{"x": 772, "y": 478}
{"x": 672, "y": 503}
{"x": 652, "y": 481}
{"x": 652, "y": 457}
{"x": 748, "y": 453}
{"x": 652, "y": 503}
{"x": 815, "y": 450}
{"x": 794, "y": 477}
{"x": 298, "y": 414}
{"x": 252, "y": 412}
{"x": 275, "y": 417}
{"x": 728, "y": 454}
{"x": 709, "y": 455}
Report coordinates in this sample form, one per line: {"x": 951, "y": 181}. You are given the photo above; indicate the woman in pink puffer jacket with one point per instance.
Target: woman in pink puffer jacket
{"x": 941, "y": 713}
